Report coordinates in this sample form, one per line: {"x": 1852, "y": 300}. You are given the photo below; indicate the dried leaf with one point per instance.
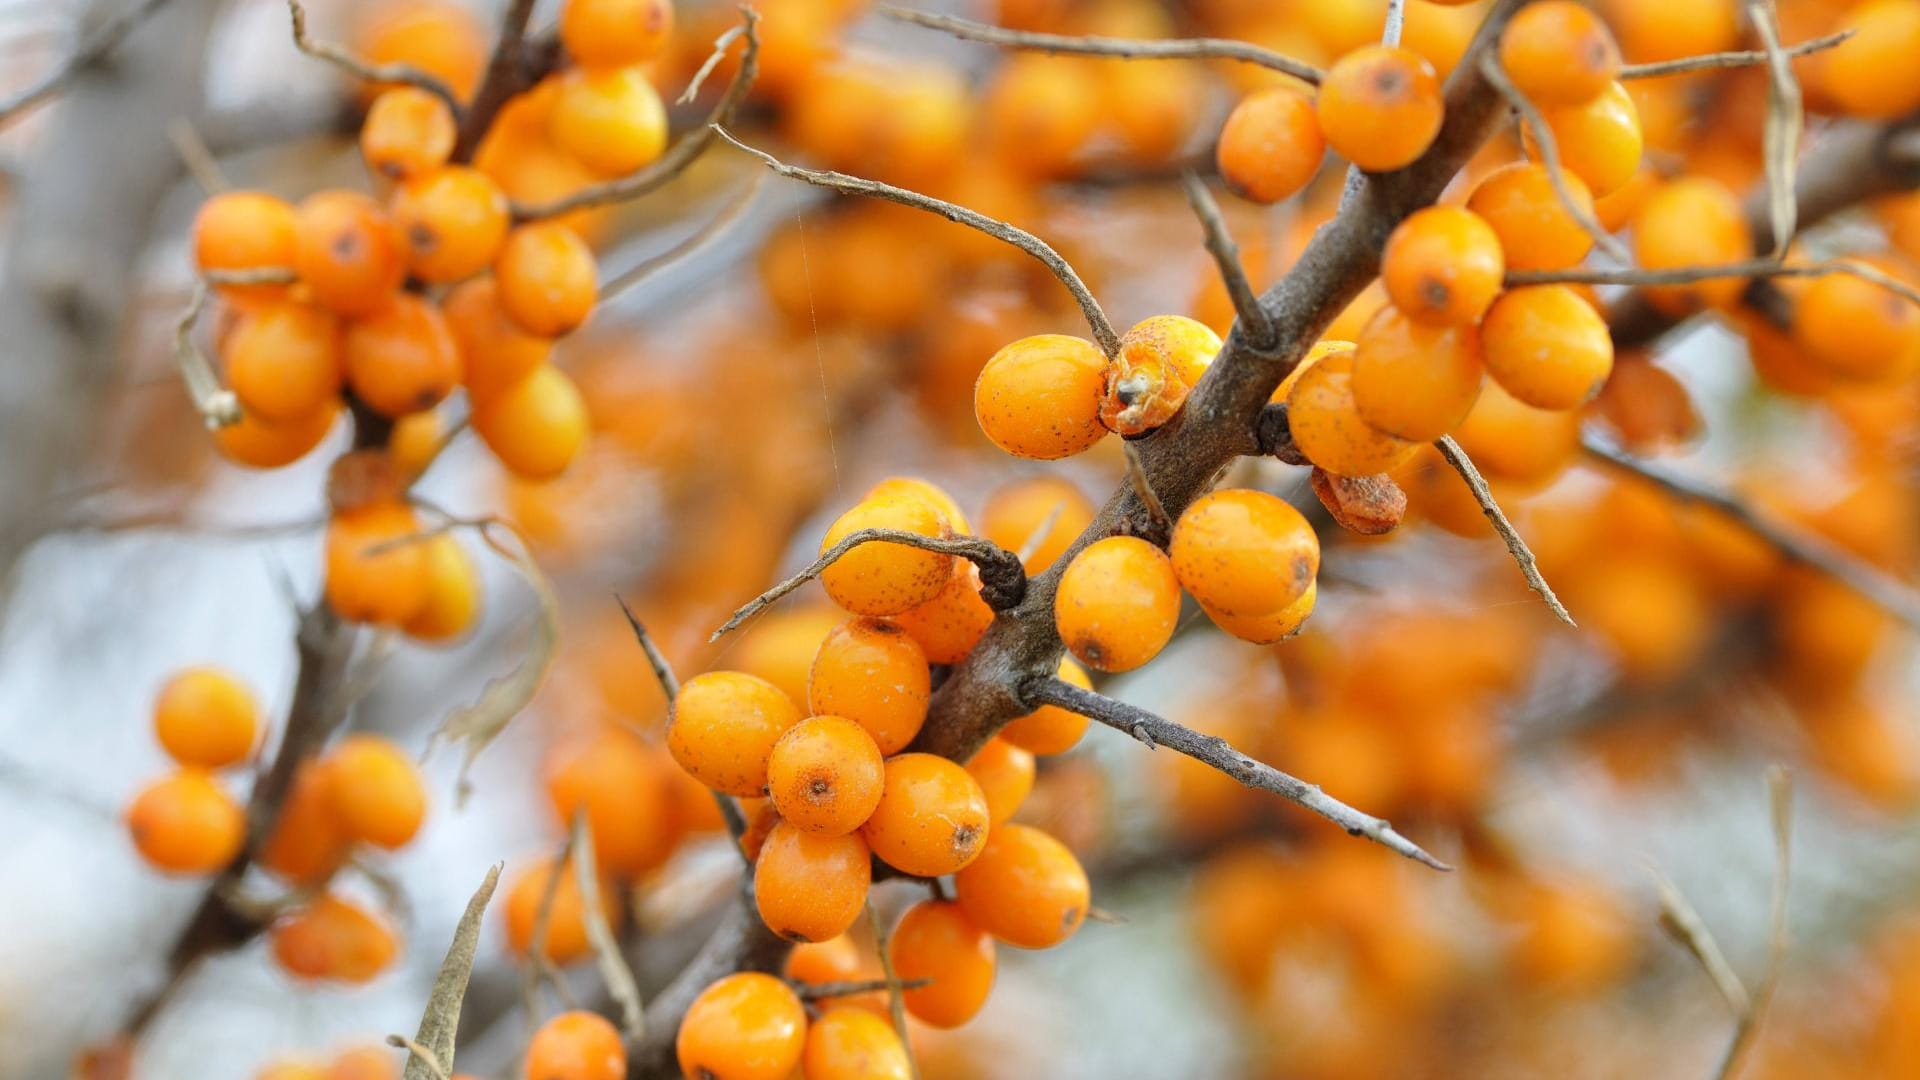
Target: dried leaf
{"x": 1368, "y": 505}
{"x": 1785, "y": 121}
{"x": 606, "y": 951}
{"x": 442, "y": 1017}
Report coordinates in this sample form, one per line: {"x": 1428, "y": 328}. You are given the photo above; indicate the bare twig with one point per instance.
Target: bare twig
{"x": 539, "y": 967}
{"x": 1785, "y": 121}
{"x": 1780, "y": 806}
{"x": 741, "y": 942}
{"x": 1522, "y": 555}
{"x": 606, "y": 951}
{"x": 217, "y": 405}
{"x": 1226, "y": 256}
{"x": 442, "y": 1017}
{"x": 821, "y": 991}
{"x": 720, "y": 46}
{"x": 1682, "y": 923}
{"x": 422, "y": 1054}
{"x": 1395, "y": 21}
{"x": 90, "y": 51}
{"x": 195, "y": 155}
{"x": 1212, "y": 750}
{"x": 896, "y": 1003}
{"x": 1143, "y": 487}
{"x": 729, "y": 215}
{"x": 1549, "y": 148}
{"x": 506, "y": 76}
{"x": 1103, "y": 331}
{"x": 353, "y": 65}
{"x": 1736, "y": 58}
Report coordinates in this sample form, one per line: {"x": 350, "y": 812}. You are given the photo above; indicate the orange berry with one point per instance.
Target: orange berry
{"x": 1326, "y": 422}
{"x": 761, "y": 818}
{"x": 833, "y": 960}
{"x": 453, "y": 221}
{"x": 377, "y": 794}
{"x": 811, "y": 886}
{"x": 206, "y": 717}
{"x": 747, "y": 1026}
{"x": 546, "y": 279}
{"x": 1272, "y": 627}
{"x": 723, "y": 728}
{"x": 1380, "y": 107}
{"x": 1509, "y": 438}
{"x": 365, "y": 1063}
{"x": 1005, "y": 774}
{"x": 1546, "y": 346}
{"x": 1244, "y": 552}
{"x": 1559, "y": 53}
{"x": 1051, "y": 729}
{"x": 1654, "y": 30}
{"x": 934, "y": 496}
{"x": 443, "y": 39}
{"x": 948, "y": 626}
{"x": 936, "y": 940}
{"x": 257, "y": 444}
{"x": 577, "y": 1045}
{"x": 1015, "y": 513}
{"x": 186, "y": 824}
{"x": 1443, "y": 265}
{"x": 824, "y": 775}
{"x": 931, "y": 819}
{"x": 1160, "y": 360}
{"x": 780, "y": 646}
{"x": 402, "y": 359}
{"x": 347, "y": 253}
{"x": 1599, "y": 141}
{"x": 495, "y": 352}
{"x": 1270, "y": 146}
{"x": 621, "y": 786}
{"x": 407, "y": 132}
{"x": 1856, "y": 329}
{"x": 1117, "y": 603}
{"x": 608, "y": 119}
{"x": 453, "y": 593}
{"x": 291, "y": 1070}
{"x": 1872, "y": 73}
{"x": 1026, "y": 888}
{"x": 882, "y": 577}
{"x": 852, "y": 1043}
{"x": 1040, "y": 112}
{"x": 305, "y": 844}
{"x": 1692, "y": 221}
{"x": 332, "y": 938}
{"x": 615, "y": 33}
{"x": 283, "y": 360}
{"x": 1040, "y": 396}
{"x": 245, "y": 230}
{"x": 537, "y": 426}
{"x": 1535, "y": 230}
{"x": 1413, "y": 380}
{"x": 566, "y": 939}
{"x": 370, "y": 577}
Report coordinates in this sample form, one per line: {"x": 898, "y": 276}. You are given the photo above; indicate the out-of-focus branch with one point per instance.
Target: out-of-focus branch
{"x": 1522, "y": 555}
{"x": 378, "y": 73}
{"x": 507, "y": 74}
{"x": 1733, "y": 59}
{"x": 1549, "y": 148}
{"x": 90, "y": 50}
{"x": 741, "y": 942}
{"x": 730, "y": 812}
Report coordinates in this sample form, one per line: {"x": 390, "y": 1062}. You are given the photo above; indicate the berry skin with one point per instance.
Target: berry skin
{"x": 546, "y": 279}
{"x": 377, "y": 794}
{"x": 608, "y": 119}
{"x": 1051, "y": 729}
{"x": 621, "y": 785}
{"x": 1535, "y": 230}
{"x": 537, "y": 426}
{"x": 257, "y": 444}
{"x": 495, "y": 353}
{"x": 566, "y": 939}
{"x": 1654, "y": 30}
{"x": 948, "y": 626}
{"x": 615, "y": 33}
{"x": 370, "y": 577}
{"x": 577, "y": 1045}
{"x": 1559, "y": 53}
{"x": 333, "y": 939}
{"x": 1026, "y": 888}
{"x": 931, "y": 493}
{"x": 305, "y": 844}
{"x": 1160, "y": 360}
{"x": 810, "y": 886}
{"x": 1016, "y": 512}
{"x": 186, "y": 824}
{"x": 1041, "y": 111}
{"x": 881, "y": 577}
{"x": 1511, "y": 439}
{"x": 403, "y": 359}
{"x": 453, "y": 221}
{"x": 1244, "y": 552}
{"x": 1415, "y": 381}
{"x": 1040, "y": 397}
{"x": 761, "y": 818}
{"x": 875, "y": 675}
{"x": 744, "y": 1027}
{"x": 1117, "y": 603}
{"x": 1692, "y": 221}
{"x": 1326, "y": 422}
{"x": 852, "y": 1043}
{"x": 1270, "y": 628}
{"x": 407, "y": 132}
{"x": 1271, "y": 146}
{"x": 1872, "y": 73}
{"x": 1443, "y": 266}
{"x": 347, "y": 253}
{"x": 1855, "y": 329}
{"x": 453, "y": 593}
{"x": 204, "y": 717}
{"x": 1546, "y": 346}
{"x": 832, "y": 960}
{"x": 824, "y": 775}
{"x": 723, "y": 728}
{"x": 936, "y": 940}
{"x": 245, "y": 230}
{"x": 1599, "y": 141}
{"x": 443, "y": 39}
{"x": 1005, "y": 774}
{"x": 1380, "y": 107}
{"x": 931, "y": 819}
{"x": 283, "y": 360}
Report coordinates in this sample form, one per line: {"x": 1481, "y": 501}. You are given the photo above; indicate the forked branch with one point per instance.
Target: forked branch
{"x": 95, "y": 47}
{"x": 670, "y": 686}
{"x": 378, "y": 73}
{"x": 1733, "y": 59}
{"x": 1226, "y": 256}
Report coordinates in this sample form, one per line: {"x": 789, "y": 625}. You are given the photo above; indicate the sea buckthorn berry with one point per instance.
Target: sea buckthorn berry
{"x": 441, "y": 38}
{"x": 932, "y": 816}
{"x": 1508, "y": 438}
{"x": 537, "y": 426}
{"x": 1040, "y": 396}
{"x": 546, "y": 279}
{"x": 1443, "y": 265}
{"x": 833, "y": 960}
{"x": 811, "y": 886}
{"x": 1654, "y": 30}
{"x": 577, "y": 1045}
{"x": 186, "y": 824}
{"x": 615, "y": 33}
{"x": 566, "y": 938}
{"x": 407, "y": 132}
{"x": 744, "y": 1027}
{"x": 1872, "y": 73}
{"x": 1244, "y": 552}
{"x": 453, "y": 593}
{"x": 1005, "y": 774}
{"x": 1535, "y": 230}
{"x": 620, "y": 785}
{"x": 1559, "y": 53}
{"x": 761, "y": 818}
{"x": 723, "y": 728}
{"x": 495, "y": 353}
{"x": 365, "y": 1063}
{"x": 1051, "y": 729}
{"x": 1270, "y": 628}
{"x": 881, "y": 577}
{"x": 283, "y": 360}
{"x": 402, "y": 359}
{"x": 1857, "y": 329}
{"x": 207, "y": 718}
{"x": 608, "y": 119}
{"x": 335, "y": 939}
{"x": 1053, "y": 508}
{"x": 936, "y": 940}
{"x": 1380, "y": 107}
{"x": 1326, "y": 423}
{"x": 824, "y": 775}
{"x": 245, "y": 230}
{"x": 1041, "y": 111}
{"x": 935, "y": 497}
{"x": 347, "y": 253}
{"x": 1117, "y": 603}
{"x": 1692, "y": 221}
{"x": 948, "y": 626}
{"x": 258, "y": 444}
{"x": 453, "y": 221}
{"x": 376, "y": 572}
{"x": 306, "y": 845}
{"x": 1599, "y": 140}
{"x": 1270, "y": 146}
{"x": 377, "y": 793}
{"x": 852, "y": 1043}
{"x": 1026, "y": 888}
{"x": 1546, "y": 346}
{"x": 1160, "y": 360}
{"x": 1414, "y": 380}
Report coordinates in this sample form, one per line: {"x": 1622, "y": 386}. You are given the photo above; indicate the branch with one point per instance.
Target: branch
{"x": 606, "y": 952}
{"x": 1736, "y": 58}
{"x": 1226, "y": 256}
{"x": 729, "y": 215}
{"x": 1156, "y": 731}
{"x": 741, "y": 942}
{"x": 1683, "y": 923}
{"x": 1143, "y": 489}
{"x": 89, "y": 52}
{"x": 353, "y": 65}
{"x": 896, "y": 1003}
{"x": 442, "y": 1018}
{"x": 1785, "y": 122}
{"x": 1549, "y": 148}
{"x": 217, "y": 405}
{"x": 1522, "y": 555}
{"x": 1780, "y": 803}
{"x": 821, "y": 991}
{"x": 506, "y": 76}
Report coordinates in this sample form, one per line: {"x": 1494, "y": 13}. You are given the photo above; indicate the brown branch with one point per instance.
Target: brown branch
{"x": 1226, "y": 256}
{"x": 89, "y": 52}
{"x": 540, "y": 968}
{"x": 1157, "y": 517}
{"x": 379, "y": 73}
{"x": 1685, "y": 275}
{"x": 1549, "y": 149}
{"x": 1682, "y": 922}
{"x": 1522, "y": 555}
{"x": 1733, "y": 59}
{"x": 507, "y": 74}
{"x": 720, "y": 46}
{"x": 741, "y": 942}
{"x": 729, "y": 215}
{"x": 820, "y": 991}
{"x": 606, "y": 951}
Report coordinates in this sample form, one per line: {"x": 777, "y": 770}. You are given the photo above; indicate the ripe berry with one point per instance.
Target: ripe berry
{"x": 332, "y": 938}
{"x": 1051, "y": 506}
{"x": 747, "y": 1026}
{"x": 824, "y": 775}
{"x": 1511, "y": 439}
{"x": 1599, "y": 141}
{"x": 811, "y": 886}
{"x": 833, "y": 960}
{"x": 936, "y": 940}
{"x": 1443, "y": 265}
{"x": 852, "y": 1043}
{"x": 1270, "y": 146}
{"x": 305, "y": 844}
{"x": 931, "y": 819}
{"x": 407, "y": 132}
{"x": 537, "y": 426}
{"x": 1005, "y": 774}
{"x": 546, "y": 278}
{"x": 1040, "y": 396}
{"x": 453, "y": 221}
{"x": 1872, "y": 73}
{"x": 1856, "y": 329}
{"x": 1244, "y": 552}
{"x": 283, "y": 360}
{"x": 347, "y": 253}
{"x": 1160, "y": 360}
{"x": 453, "y": 593}
{"x": 621, "y": 785}
{"x": 948, "y": 626}
{"x": 1272, "y": 627}
{"x": 1535, "y": 230}
{"x": 1692, "y": 221}
{"x": 1546, "y": 346}
{"x": 1026, "y": 888}
{"x": 723, "y": 728}
{"x": 402, "y": 359}
{"x": 1117, "y": 603}
{"x": 1040, "y": 113}
{"x": 443, "y": 39}
{"x": 1412, "y": 380}
{"x": 206, "y": 717}
{"x": 615, "y": 33}
{"x": 1051, "y": 729}
{"x": 1380, "y": 107}
{"x": 1654, "y": 30}
{"x": 874, "y": 674}
{"x": 371, "y": 577}
{"x": 881, "y": 577}
{"x": 577, "y": 1045}
{"x": 566, "y": 938}
{"x": 1326, "y": 423}
{"x": 377, "y": 794}
{"x": 257, "y": 444}
{"x": 761, "y": 818}
{"x": 931, "y": 493}
{"x": 365, "y": 1063}
{"x": 608, "y": 119}
{"x": 186, "y": 824}
{"x": 245, "y": 230}
{"x": 495, "y": 352}
{"x": 1559, "y": 53}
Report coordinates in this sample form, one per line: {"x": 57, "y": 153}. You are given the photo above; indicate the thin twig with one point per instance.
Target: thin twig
{"x": 1396, "y": 19}
{"x": 506, "y": 76}
{"x": 729, "y": 215}
{"x": 896, "y": 1003}
{"x": 1103, "y": 332}
{"x": 441, "y": 1020}
{"x": 606, "y": 951}
{"x": 1784, "y": 124}
{"x": 353, "y": 65}
{"x": 1780, "y": 812}
{"x": 217, "y": 405}
{"x": 1039, "y": 535}
{"x": 423, "y": 1054}
{"x": 820, "y": 991}
{"x": 720, "y": 46}
{"x": 1522, "y": 555}
{"x": 1226, "y": 256}
{"x": 1683, "y": 923}
{"x": 1736, "y": 58}
{"x": 1143, "y": 487}
{"x": 90, "y": 51}
{"x": 1212, "y": 750}
{"x": 539, "y": 967}
{"x": 195, "y": 155}
{"x": 1549, "y": 148}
